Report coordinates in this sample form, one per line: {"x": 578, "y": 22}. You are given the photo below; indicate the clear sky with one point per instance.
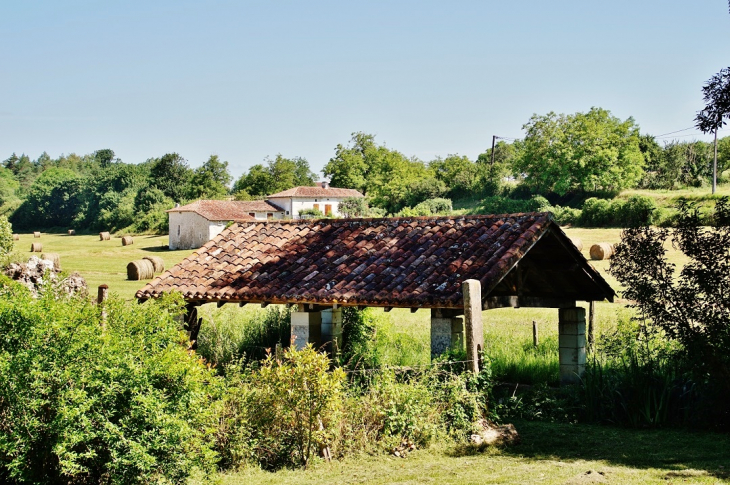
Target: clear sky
{"x": 248, "y": 79}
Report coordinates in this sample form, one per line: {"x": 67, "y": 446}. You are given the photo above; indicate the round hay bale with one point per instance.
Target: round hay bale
{"x": 141, "y": 269}
{"x": 577, "y": 242}
{"x": 601, "y": 251}
{"x": 127, "y": 241}
{"x": 16, "y": 237}
{"x": 36, "y": 234}
{"x": 104, "y": 236}
{"x": 71, "y": 232}
{"x": 55, "y": 258}
{"x": 36, "y": 248}
{"x": 157, "y": 263}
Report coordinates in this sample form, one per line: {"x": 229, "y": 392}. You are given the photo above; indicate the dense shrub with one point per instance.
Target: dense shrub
{"x": 636, "y": 211}
{"x": 283, "y": 412}
{"x": 6, "y": 236}
{"x": 430, "y": 207}
{"x": 79, "y": 404}
{"x": 497, "y": 204}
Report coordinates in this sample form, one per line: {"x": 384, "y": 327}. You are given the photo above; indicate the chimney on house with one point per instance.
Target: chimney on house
{"x": 325, "y": 184}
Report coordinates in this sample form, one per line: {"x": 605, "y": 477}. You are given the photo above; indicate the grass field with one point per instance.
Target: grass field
{"x": 102, "y": 262}
{"x": 548, "y": 453}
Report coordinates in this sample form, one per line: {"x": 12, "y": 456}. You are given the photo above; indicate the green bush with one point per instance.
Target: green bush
{"x": 637, "y": 210}
{"x": 6, "y": 236}
{"x": 430, "y": 207}
{"x": 290, "y": 408}
{"x": 79, "y": 404}
{"x": 498, "y": 204}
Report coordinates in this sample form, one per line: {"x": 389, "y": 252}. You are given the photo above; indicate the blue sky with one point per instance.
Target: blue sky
{"x": 248, "y": 79}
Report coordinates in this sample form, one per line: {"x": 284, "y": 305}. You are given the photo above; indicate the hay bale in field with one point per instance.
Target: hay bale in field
{"x": 36, "y": 247}
{"x": 36, "y": 234}
{"x": 54, "y": 258}
{"x": 16, "y": 237}
{"x": 141, "y": 269}
{"x": 577, "y": 243}
{"x": 157, "y": 263}
{"x": 127, "y": 241}
{"x": 71, "y": 232}
{"x": 601, "y": 251}
{"x": 104, "y": 236}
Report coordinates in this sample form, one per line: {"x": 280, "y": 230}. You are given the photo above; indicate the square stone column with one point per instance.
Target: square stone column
{"x": 472, "y": 293}
{"x": 306, "y": 327}
{"x": 332, "y": 330}
{"x": 572, "y": 338}
{"x": 446, "y": 332}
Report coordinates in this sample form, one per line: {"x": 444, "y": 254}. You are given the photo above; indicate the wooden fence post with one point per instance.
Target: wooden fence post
{"x": 101, "y": 296}
{"x": 472, "y": 292}
{"x": 534, "y": 334}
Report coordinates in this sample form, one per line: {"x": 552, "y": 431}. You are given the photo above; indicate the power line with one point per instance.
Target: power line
{"x": 672, "y": 132}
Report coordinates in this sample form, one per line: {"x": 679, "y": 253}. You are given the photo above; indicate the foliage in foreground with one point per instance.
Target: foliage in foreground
{"x": 79, "y": 404}
{"x": 690, "y": 308}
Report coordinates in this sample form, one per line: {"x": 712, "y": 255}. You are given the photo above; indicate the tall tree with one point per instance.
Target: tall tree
{"x": 104, "y": 156}
{"x": 277, "y": 175}
{"x": 586, "y": 152}
{"x": 716, "y": 94}
{"x": 171, "y": 174}
{"x": 210, "y": 180}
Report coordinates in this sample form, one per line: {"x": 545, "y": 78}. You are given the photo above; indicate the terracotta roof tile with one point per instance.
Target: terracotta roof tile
{"x": 376, "y": 262}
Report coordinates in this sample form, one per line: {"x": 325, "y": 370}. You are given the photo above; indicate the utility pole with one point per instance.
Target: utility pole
{"x": 714, "y": 166}
{"x": 494, "y": 139}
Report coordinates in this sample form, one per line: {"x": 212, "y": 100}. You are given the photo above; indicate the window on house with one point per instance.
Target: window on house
{"x": 178, "y": 230}
{"x": 328, "y": 209}
{"x": 269, "y": 216}
{"x": 287, "y": 212}
{"x": 252, "y": 214}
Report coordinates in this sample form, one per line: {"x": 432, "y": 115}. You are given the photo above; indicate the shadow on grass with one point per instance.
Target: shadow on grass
{"x": 157, "y": 249}
{"x": 685, "y": 453}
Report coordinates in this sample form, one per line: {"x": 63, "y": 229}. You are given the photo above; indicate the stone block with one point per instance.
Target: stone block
{"x": 576, "y": 314}
{"x": 440, "y": 335}
{"x": 472, "y": 293}
{"x": 306, "y": 327}
{"x": 572, "y": 341}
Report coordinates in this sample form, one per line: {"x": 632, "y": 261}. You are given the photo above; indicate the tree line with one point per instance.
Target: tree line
{"x": 564, "y": 158}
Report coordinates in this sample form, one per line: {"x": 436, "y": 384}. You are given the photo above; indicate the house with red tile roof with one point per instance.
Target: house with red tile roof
{"x": 322, "y": 197}
{"x": 194, "y": 224}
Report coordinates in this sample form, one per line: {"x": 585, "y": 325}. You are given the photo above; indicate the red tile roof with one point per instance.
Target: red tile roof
{"x": 317, "y": 192}
{"x": 401, "y": 262}
{"x": 227, "y": 210}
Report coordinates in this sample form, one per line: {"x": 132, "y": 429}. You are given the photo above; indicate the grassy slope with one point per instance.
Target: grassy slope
{"x": 549, "y": 453}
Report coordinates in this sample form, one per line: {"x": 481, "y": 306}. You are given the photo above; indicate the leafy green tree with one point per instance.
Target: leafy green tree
{"x": 354, "y": 207}
{"x": 104, "y": 157}
{"x": 171, "y": 174}
{"x": 391, "y": 179}
{"x": 690, "y": 307}
{"x": 277, "y": 175}
{"x": 55, "y": 199}
{"x": 459, "y": 174}
{"x": 716, "y": 94}
{"x": 588, "y": 152}
{"x": 210, "y": 180}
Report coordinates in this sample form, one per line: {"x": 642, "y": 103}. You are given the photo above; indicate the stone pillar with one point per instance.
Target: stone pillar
{"x": 447, "y": 332}
{"x": 306, "y": 328}
{"x": 472, "y": 293}
{"x": 572, "y": 337}
{"x": 332, "y": 330}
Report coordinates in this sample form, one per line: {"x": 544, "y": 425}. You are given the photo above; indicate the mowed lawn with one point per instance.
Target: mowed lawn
{"x": 102, "y": 262}
{"x": 549, "y": 453}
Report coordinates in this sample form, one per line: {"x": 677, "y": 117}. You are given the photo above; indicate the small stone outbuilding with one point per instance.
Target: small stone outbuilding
{"x": 319, "y": 266}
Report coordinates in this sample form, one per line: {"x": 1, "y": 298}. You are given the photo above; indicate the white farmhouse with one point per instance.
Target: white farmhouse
{"x": 322, "y": 197}
{"x": 194, "y": 224}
